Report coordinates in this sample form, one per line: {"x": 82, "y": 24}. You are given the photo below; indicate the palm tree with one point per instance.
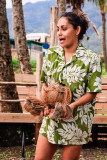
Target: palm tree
{"x": 64, "y": 4}
{"x": 61, "y": 4}
{"x": 103, "y": 9}
{"x": 76, "y": 5}
{"x": 6, "y": 68}
{"x": 20, "y": 37}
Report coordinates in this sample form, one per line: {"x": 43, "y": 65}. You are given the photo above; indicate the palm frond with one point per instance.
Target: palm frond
{"x": 95, "y": 29}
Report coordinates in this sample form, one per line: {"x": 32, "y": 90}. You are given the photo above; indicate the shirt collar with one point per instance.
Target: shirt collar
{"x": 60, "y": 51}
{"x": 79, "y": 52}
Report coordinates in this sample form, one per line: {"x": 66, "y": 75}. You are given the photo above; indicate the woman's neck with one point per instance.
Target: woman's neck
{"x": 71, "y": 50}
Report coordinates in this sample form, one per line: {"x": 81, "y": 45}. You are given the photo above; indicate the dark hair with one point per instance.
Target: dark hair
{"x": 78, "y": 20}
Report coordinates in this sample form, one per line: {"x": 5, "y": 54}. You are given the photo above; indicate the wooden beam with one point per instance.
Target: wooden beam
{"x": 12, "y": 100}
{"x": 100, "y": 119}
{"x": 102, "y": 111}
{"x": 25, "y": 78}
{"x": 19, "y": 118}
{"x": 104, "y": 83}
{"x": 18, "y": 83}
{"x": 101, "y": 101}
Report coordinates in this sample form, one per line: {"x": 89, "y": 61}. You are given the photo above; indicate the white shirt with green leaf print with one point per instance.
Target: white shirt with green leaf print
{"x": 82, "y": 73}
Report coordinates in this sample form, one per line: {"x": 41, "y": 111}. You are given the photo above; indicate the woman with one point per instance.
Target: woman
{"x": 80, "y": 69}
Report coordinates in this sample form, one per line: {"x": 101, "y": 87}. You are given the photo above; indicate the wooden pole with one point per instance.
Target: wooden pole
{"x": 38, "y": 89}
{"x": 12, "y": 100}
{"x": 37, "y": 127}
{"x": 18, "y": 83}
{"x": 38, "y": 73}
{"x": 53, "y": 26}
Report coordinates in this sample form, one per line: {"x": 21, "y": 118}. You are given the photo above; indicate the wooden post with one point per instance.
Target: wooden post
{"x": 37, "y": 127}
{"x": 38, "y": 73}
{"x": 38, "y": 89}
{"x": 53, "y": 26}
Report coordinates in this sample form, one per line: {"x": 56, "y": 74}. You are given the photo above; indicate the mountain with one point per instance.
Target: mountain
{"x": 36, "y": 16}
{"x": 37, "y": 19}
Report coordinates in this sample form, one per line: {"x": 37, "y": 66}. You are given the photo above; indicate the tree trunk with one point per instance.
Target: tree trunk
{"x": 6, "y": 67}
{"x": 103, "y": 35}
{"x": 20, "y": 37}
{"x": 61, "y": 7}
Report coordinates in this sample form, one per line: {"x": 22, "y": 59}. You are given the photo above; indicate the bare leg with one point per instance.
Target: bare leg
{"x": 71, "y": 152}
{"x": 44, "y": 149}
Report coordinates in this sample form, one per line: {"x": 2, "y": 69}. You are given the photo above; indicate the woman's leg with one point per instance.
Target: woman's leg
{"x": 71, "y": 152}
{"x": 44, "y": 149}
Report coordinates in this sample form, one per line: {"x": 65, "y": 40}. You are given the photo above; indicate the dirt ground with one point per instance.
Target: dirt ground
{"x": 89, "y": 152}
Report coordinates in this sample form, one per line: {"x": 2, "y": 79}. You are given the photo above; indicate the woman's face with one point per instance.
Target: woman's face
{"x": 66, "y": 34}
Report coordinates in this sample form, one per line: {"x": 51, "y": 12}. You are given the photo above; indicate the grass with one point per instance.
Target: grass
{"x": 104, "y": 73}
{"x": 57, "y": 155}
{"x": 16, "y": 67}
{"x": 15, "y": 63}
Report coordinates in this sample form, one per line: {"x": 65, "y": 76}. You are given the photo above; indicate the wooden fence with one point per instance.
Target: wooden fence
{"x": 99, "y": 129}
{"x": 29, "y": 85}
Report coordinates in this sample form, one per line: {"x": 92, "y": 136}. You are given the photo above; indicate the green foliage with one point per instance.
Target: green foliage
{"x": 104, "y": 73}
{"x": 34, "y": 70}
{"x": 57, "y": 155}
{"x": 15, "y": 62}
{"x": 33, "y": 63}
{"x": 11, "y": 134}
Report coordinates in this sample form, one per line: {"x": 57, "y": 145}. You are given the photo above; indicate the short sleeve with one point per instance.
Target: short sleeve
{"x": 94, "y": 81}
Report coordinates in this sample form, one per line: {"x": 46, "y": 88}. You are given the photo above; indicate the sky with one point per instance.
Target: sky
{"x": 9, "y": 3}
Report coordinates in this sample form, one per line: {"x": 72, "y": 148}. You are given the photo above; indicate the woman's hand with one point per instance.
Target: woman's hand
{"x": 72, "y": 106}
{"x": 45, "y": 112}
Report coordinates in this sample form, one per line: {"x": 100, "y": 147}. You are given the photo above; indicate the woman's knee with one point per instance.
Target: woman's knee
{"x": 71, "y": 152}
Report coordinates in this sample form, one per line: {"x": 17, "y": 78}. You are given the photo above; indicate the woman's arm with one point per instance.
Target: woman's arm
{"x": 88, "y": 97}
